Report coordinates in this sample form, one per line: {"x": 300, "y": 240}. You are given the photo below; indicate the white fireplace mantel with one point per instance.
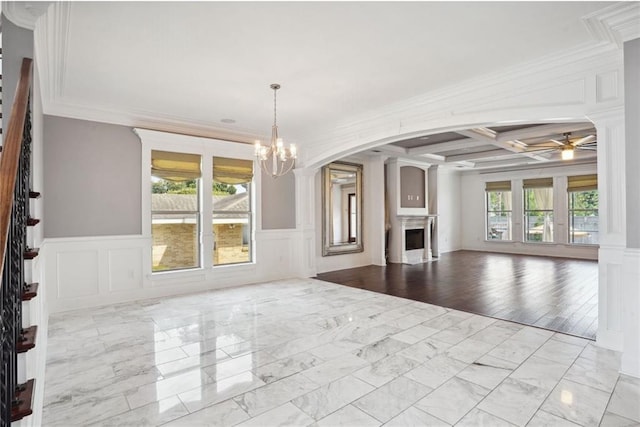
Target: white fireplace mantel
{"x": 397, "y": 243}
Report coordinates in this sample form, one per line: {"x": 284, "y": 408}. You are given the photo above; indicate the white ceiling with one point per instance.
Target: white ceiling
{"x": 201, "y": 62}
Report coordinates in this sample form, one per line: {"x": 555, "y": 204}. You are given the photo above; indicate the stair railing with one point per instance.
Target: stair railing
{"x": 14, "y": 193}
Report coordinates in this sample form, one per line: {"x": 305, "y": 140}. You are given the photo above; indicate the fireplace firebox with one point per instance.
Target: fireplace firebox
{"x": 414, "y": 239}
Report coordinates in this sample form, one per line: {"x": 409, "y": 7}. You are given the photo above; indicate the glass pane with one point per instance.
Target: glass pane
{"x": 175, "y": 241}
{"x": 231, "y": 223}
{"x": 583, "y": 217}
{"x": 539, "y": 226}
{"x": 499, "y": 226}
{"x": 538, "y": 214}
{"x": 584, "y": 227}
{"x": 232, "y": 238}
{"x": 499, "y": 200}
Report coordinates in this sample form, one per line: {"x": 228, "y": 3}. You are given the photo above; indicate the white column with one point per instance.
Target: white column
{"x": 611, "y": 185}
{"x": 373, "y": 215}
{"x": 305, "y": 251}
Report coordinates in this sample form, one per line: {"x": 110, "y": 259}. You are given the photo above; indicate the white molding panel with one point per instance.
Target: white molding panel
{"x": 94, "y": 271}
{"x": 610, "y": 298}
{"x": 559, "y": 88}
{"x": 631, "y": 312}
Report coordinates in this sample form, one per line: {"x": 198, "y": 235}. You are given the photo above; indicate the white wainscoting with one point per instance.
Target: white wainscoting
{"x": 631, "y": 312}
{"x": 610, "y": 297}
{"x": 92, "y": 271}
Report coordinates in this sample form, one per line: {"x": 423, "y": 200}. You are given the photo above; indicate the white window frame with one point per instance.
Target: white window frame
{"x": 487, "y": 212}
{"x": 208, "y": 148}
{"x": 570, "y": 217}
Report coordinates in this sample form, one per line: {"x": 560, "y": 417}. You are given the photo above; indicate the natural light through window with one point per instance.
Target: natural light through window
{"x": 498, "y": 209}
{"x": 175, "y": 210}
{"x": 538, "y": 210}
{"x": 583, "y": 209}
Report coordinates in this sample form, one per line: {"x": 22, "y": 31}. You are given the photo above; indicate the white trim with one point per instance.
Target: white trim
{"x": 208, "y": 149}
{"x": 119, "y": 269}
{"x": 25, "y": 14}
{"x": 617, "y": 23}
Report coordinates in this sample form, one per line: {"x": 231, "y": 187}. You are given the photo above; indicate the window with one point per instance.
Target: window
{"x": 583, "y": 209}
{"x": 538, "y": 210}
{"x": 175, "y": 210}
{"x": 232, "y": 210}
{"x": 498, "y": 209}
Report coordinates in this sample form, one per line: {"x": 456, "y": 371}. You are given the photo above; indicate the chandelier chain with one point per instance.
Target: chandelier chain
{"x": 275, "y": 110}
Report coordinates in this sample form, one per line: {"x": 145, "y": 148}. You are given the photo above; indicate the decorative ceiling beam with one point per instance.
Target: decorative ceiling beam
{"x": 514, "y": 161}
{"x": 432, "y": 157}
{"x": 479, "y": 155}
{"x": 457, "y": 144}
{"x": 391, "y": 149}
{"x": 542, "y": 131}
{"x": 485, "y": 134}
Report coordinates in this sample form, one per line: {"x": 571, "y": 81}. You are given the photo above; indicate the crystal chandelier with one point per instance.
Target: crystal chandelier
{"x": 276, "y": 159}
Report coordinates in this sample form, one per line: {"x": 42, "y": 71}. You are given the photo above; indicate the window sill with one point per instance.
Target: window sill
{"x": 499, "y": 241}
{"x": 170, "y": 274}
{"x": 238, "y": 265}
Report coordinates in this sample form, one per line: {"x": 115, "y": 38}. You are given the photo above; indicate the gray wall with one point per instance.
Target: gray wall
{"x": 412, "y": 184}
{"x": 278, "y": 202}
{"x": 632, "y": 136}
{"x": 91, "y": 179}
{"x": 17, "y": 44}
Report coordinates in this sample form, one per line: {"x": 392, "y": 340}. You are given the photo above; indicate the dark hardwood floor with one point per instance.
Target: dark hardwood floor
{"x": 552, "y": 293}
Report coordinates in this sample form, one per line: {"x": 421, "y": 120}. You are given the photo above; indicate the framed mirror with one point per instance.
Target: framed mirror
{"x": 341, "y": 208}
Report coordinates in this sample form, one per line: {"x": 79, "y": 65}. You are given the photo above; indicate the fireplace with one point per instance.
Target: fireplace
{"x": 414, "y": 239}
{"x": 410, "y": 239}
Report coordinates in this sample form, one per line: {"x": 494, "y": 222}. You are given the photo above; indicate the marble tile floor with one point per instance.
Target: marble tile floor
{"x": 306, "y": 352}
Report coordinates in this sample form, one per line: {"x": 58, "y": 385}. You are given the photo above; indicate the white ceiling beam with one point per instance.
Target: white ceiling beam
{"x": 482, "y": 134}
{"x": 479, "y": 155}
{"x": 542, "y": 131}
{"x": 504, "y": 162}
{"x": 430, "y": 156}
{"x": 458, "y": 144}
{"x": 391, "y": 149}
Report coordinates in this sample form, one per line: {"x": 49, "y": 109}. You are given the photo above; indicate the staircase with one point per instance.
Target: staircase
{"x": 18, "y": 337}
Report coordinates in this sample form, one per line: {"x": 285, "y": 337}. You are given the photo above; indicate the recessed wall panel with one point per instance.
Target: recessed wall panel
{"x": 77, "y": 274}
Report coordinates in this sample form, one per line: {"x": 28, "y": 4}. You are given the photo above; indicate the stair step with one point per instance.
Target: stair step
{"x": 27, "y": 340}
{"x": 29, "y": 291}
{"x": 23, "y": 406}
{"x": 31, "y": 253}
{"x": 32, "y": 221}
{"x": 33, "y": 194}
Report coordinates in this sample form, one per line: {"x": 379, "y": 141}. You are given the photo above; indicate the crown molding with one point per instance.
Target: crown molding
{"x": 25, "y": 14}
{"x": 50, "y": 48}
{"x": 615, "y": 24}
{"x": 148, "y": 120}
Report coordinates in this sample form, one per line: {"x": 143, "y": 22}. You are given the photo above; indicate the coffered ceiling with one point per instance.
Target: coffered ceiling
{"x": 499, "y": 146}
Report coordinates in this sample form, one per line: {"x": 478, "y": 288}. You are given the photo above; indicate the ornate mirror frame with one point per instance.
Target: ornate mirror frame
{"x": 353, "y": 245}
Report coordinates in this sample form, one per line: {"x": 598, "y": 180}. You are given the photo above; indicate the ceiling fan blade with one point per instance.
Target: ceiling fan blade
{"x": 585, "y": 140}
{"x": 587, "y": 147}
{"x": 541, "y": 150}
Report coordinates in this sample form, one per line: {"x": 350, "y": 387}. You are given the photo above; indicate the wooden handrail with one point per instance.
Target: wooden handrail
{"x": 10, "y": 156}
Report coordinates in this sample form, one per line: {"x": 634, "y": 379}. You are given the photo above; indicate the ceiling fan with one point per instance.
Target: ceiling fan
{"x": 567, "y": 146}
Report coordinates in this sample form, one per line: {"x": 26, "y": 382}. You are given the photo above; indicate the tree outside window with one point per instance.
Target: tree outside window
{"x": 583, "y": 209}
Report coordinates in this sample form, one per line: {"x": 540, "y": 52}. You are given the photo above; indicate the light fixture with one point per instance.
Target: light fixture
{"x": 567, "y": 148}
{"x": 276, "y": 159}
{"x": 567, "y": 153}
